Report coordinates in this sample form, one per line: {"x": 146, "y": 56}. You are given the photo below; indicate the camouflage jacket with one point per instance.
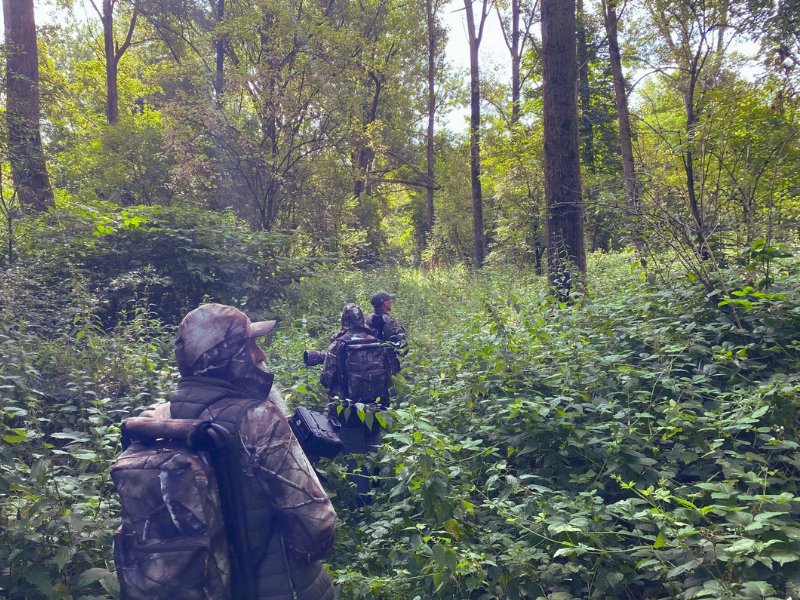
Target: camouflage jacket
{"x": 389, "y": 330}
{"x": 332, "y": 375}
{"x": 282, "y": 492}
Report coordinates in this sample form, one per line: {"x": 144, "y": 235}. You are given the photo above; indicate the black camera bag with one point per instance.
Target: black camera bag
{"x": 316, "y": 433}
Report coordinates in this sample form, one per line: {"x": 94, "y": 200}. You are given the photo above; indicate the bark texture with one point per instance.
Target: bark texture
{"x": 478, "y": 235}
{"x": 623, "y": 116}
{"x": 23, "y": 109}
{"x": 429, "y": 158}
{"x": 565, "y": 212}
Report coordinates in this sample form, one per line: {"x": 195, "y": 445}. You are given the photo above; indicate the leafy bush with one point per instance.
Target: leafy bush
{"x": 62, "y": 394}
{"x": 638, "y": 443}
{"x": 168, "y": 259}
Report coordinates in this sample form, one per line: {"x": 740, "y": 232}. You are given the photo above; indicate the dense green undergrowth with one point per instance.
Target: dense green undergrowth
{"x": 637, "y": 444}
{"x": 640, "y": 442}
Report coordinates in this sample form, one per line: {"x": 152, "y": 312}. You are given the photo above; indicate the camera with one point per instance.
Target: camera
{"x": 318, "y": 434}
{"x": 312, "y": 358}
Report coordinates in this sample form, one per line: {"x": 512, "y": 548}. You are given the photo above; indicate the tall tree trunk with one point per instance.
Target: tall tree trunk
{"x": 516, "y": 58}
{"x": 113, "y": 52}
{"x": 694, "y": 54}
{"x": 515, "y": 39}
{"x": 269, "y": 187}
{"x": 23, "y": 109}
{"x": 624, "y": 118}
{"x": 688, "y": 167}
{"x": 223, "y": 182}
{"x": 430, "y": 184}
{"x": 364, "y": 155}
{"x": 112, "y": 89}
{"x": 219, "y": 47}
{"x": 565, "y": 243}
{"x": 478, "y": 235}
{"x": 584, "y": 93}
{"x": 719, "y": 53}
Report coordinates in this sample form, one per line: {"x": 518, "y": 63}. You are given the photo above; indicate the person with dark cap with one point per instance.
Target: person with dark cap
{"x": 289, "y": 519}
{"x": 392, "y": 333}
{"x": 356, "y": 375}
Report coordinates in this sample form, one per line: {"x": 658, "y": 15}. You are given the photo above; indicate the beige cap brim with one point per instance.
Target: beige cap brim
{"x": 260, "y": 328}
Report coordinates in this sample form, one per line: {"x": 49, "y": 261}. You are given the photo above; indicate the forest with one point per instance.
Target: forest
{"x": 597, "y": 267}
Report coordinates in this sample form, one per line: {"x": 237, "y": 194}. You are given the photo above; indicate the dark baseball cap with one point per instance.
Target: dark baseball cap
{"x": 379, "y": 298}
{"x": 211, "y": 324}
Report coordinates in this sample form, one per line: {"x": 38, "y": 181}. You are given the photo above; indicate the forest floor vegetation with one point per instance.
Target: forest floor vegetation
{"x": 639, "y": 442}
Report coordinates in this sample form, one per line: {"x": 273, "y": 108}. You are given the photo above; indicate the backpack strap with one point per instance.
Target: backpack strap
{"x": 229, "y": 478}
{"x": 378, "y": 324}
{"x": 223, "y": 433}
{"x": 341, "y": 372}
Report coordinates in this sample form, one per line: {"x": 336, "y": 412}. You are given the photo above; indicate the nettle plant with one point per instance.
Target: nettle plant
{"x": 637, "y": 444}
{"x": 65, "y": 383}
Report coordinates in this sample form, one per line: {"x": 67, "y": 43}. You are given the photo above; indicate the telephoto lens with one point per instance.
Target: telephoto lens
{"x": 312, "y": 358}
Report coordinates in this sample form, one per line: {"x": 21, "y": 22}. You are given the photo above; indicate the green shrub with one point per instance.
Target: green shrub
{"x": 637, "y": 444}
{"x": 641, "y": 442}
{"x": 167, "y": 259}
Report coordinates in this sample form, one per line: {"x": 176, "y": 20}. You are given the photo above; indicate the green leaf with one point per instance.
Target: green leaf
{"x": 70, "y": 435}
{"x": 93, "y": 575}
{"x": 16, "y": 436}
{"x": 557, "y": 528}
{"x": 83, "y": 454}
{"x": 758, "y": 589}
{"x": 445, "y": 556}
{"x": 684, "y": 502}
{"x": 101, "y": 230}
{"x": 38, "y": 576}
{"x": 614, "y": 578}
{"x": 684, "y": 568}
{"x": 783, "y": 557}
{"x": 62, "y": 557}
{"x": 742, "y": 546}
{"x": 660, "y": 541}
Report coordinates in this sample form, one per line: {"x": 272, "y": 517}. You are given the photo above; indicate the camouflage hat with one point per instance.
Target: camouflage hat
{"x": 379, "y": 298}
{"x": 211, "y": 324}
{"x": 352, "y": 316}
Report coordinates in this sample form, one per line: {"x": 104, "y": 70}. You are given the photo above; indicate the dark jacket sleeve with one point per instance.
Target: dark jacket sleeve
{"x": 395, "y": 333}
{"x": 306, "y": 516}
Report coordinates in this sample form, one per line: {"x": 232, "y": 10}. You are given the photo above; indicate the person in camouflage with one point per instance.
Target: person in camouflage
{"x": 289, "y": 519}
{"x": 358, "y": 436}
{"x": 389, "y": 330}
{"x": 354, "y": 331}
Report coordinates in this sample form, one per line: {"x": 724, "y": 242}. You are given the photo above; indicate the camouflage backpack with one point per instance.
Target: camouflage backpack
{"x": 365, "y": 371}
{"x": 176, "y": 484}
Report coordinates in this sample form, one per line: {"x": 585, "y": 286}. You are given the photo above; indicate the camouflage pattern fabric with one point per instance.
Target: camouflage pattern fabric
{"x": 210, "y": 326}
{"x": 391, "y": 332}
{"x": 282, "y": 492}
{"x": 366, "y": 372}
{"x": 333, "y": 369}
{"x": 172, "y": 544}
